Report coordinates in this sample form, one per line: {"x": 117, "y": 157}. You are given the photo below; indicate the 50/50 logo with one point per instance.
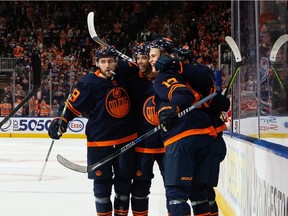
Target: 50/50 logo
{"x": 31, "y": 125}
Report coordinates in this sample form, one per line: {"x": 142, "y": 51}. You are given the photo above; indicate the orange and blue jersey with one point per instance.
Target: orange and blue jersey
{"x": 142, "y": 94}
{"x": 199, "y": 76}
{"x": 219, "y": 125}
{"x": 171, "y": 87}
{"x": 5, "y": 109}
{"x": 108, "y": 107}
{"x": 202, "y": 78}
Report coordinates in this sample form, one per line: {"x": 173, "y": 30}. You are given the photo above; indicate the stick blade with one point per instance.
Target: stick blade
{"x": 90, "y": 23}
{"x": 100, "y": 42}
{"x": 234, "y": 48}
{"x": 71, "y": 165}
{"x": 279, "y": 42}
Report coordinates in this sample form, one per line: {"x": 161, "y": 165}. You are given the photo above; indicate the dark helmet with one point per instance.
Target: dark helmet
{"x": 141, "y": 49}
{"x": 184, "y": 54}
{"x": 164, "y": 44}
{"x": 105, "y": 52}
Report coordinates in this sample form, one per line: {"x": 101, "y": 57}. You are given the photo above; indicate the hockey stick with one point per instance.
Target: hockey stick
{"x": 52, "y": 143}
{"x": 36, "y": 67}
{"x": 59, "y": 133}
{"x": 46, "y": 160}
{"x": 237, "y": 55}
{"x": 94, "y": 36}
{"x": 84, "y": 169}
{"x": 279, "y": 42}
{"x": 277, "y": 45}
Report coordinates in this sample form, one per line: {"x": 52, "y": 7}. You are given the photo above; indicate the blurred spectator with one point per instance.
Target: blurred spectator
{"x": 144, "y": 35}
{"x": 132, "y": 23}
{"x": 21, "y": 110}
{"x": 251, "y": 84}
{"x": 62, "y": 39}
{"x": 25, "y": 84}
{"x": 154, "y": 28}
{"x": 117, "y": 28}
{"x": 19, "y": 92}
{"x": 19, "y": 70}
{"x": 55, "y": 106}
{"x": 54, "y": 29}
{"x": 18, "y": 51}
{"x": 44, "y": 109}
{"x": 58, "y": 55}
{"x": 5, "y": 107}
{"x": 33, "y": 106}
{"x": 7, "y": 93}
{"x": 59, "y": 94}
{"x": 45, "y": 90}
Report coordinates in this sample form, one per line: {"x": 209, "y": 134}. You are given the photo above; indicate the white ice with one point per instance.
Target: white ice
{"x": 61, "y": 192}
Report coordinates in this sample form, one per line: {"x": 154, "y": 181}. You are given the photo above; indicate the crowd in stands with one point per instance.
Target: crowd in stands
{"x": 58, "y": 30}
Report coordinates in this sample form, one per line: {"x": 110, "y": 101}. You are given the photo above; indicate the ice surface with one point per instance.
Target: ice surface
{"x": 61, "y": 192}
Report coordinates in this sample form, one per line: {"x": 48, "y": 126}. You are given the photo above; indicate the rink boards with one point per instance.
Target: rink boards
{"x": 37, "y": 127}
{"x": 253, "y": 178}
{"x": 269, "y": 126}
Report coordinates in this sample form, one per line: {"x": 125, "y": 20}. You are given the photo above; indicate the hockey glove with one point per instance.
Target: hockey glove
{"x": 168, "y": 116}
{"x": 165, "y": 62}
{"x": 220, "y": 103}
{"x": 54, "y": 129}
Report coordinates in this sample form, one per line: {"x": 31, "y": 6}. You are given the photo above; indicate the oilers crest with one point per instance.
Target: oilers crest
{"x": 149, "y": 111}
{"x": 117, "y": 102}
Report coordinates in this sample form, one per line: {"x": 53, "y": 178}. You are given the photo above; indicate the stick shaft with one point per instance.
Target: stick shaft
{"x": 52, "y": 143}
{"x": 46, "y": 160}
{"x": 84, "y": 169}
{"x": 144, "y": 136}
{"x": 237, "y": 55}
{"x": 36, "y": 67}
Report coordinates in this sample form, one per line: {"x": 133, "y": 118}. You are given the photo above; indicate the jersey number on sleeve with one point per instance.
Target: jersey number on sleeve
{"x": 75, "y": 94}
{"x": 170, "y": 82}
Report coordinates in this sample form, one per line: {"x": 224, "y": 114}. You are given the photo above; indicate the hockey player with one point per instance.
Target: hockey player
{"x": 5, "y": 107}
{"x": 151, "y": 149}
{"x": 216, "y": 106}
{"x": 202, "y": 79}
{"x": 187, "y": 140}
{"x": 102, "y": 97}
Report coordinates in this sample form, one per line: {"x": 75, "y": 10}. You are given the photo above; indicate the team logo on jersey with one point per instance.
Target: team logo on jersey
{"x": 138, "y": 173}
{"x": 117, "y": 102}
{"x": 149, "y": 111}
{"x": 98, "y": 173}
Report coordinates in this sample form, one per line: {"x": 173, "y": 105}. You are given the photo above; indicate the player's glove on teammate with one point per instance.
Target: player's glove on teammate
{"x": 168, "y": 116}
{"x": 166, "y": 62}
{"x": 220, "y": 103}
{"x": 53, "y": 130}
